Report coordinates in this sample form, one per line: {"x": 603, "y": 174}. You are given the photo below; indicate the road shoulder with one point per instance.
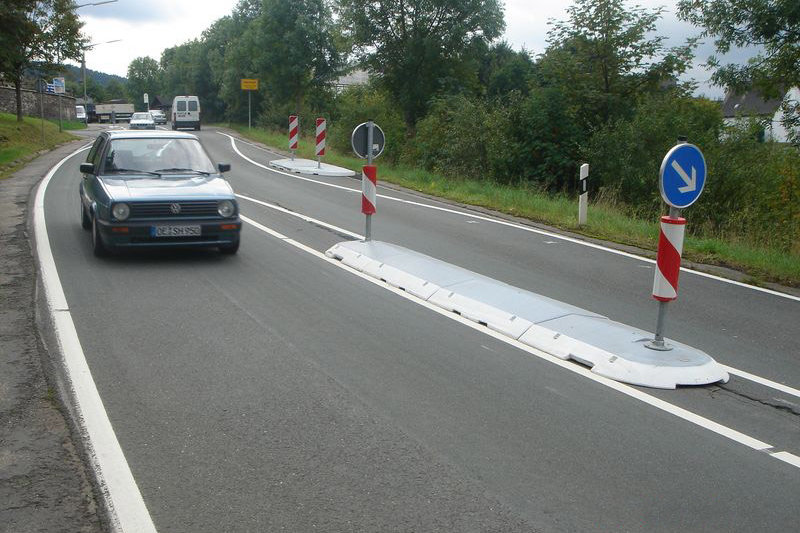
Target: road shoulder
{"x": 44, "y": 482}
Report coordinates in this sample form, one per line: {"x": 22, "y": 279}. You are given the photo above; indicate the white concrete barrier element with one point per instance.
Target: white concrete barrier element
{"x": 494, "y": 318}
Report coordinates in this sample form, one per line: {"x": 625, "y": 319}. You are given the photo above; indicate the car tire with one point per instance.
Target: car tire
{"x": 86, "y": 222}
{"x": 98, "y": 247}
{"x": 197, "y": 128}
{"x": 230, "y": 249}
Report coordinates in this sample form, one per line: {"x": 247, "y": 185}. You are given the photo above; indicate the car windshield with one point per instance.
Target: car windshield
{"x": 163, "y": 156}
{"x": 141, "y": 116}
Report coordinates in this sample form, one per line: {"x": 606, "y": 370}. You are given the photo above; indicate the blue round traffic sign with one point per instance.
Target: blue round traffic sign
{"x": 682, "y": 176}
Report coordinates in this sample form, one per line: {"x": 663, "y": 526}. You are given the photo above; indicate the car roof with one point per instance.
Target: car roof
{"x": 149, "y": 134}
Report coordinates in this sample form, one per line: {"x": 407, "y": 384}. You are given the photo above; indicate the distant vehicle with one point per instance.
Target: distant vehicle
{"x": 119, "y": 111}
{"x": 80, "y": 113}
{"x": 158, "y": 116}
{"x": 156, "y": 188}
{"x": 142, "y": 121}
{"x": 186, "y": 112}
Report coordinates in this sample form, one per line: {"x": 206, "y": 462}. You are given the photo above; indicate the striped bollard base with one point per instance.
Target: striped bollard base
{"x": 369, "y": 195}
{"x": 668, "y": 264}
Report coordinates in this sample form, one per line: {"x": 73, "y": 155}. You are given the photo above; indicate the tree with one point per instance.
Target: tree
{"x": 296, "y": 52}
{"x": 604, "y": 57}
{"x": 771, "y": 24}
{"x": 144, "y": 76}
{"x": 44, "y": 31}
{"x": 415, "y": 48}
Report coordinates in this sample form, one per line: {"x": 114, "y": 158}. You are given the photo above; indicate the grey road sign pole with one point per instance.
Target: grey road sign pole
{"x": 370, "y": 140}
{"x": 248, "y": 109}
{"x": 658, "y": 342}
{"x": 42, "y": 85}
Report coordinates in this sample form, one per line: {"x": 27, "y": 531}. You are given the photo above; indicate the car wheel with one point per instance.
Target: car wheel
{"x": 86, "y": 222}
{"x": 230, "y": 249}
{"x": 197, "y": 128}
{"x": 98, "y": 247}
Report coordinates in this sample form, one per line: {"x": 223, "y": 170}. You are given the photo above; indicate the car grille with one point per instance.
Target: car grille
{"x": 191, "y": 209}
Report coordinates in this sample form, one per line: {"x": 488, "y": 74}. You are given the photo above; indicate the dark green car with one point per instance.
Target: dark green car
{"x": 156, "y": 188}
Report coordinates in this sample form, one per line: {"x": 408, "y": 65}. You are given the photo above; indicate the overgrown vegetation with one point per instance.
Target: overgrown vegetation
{"x": 21, "y": 141}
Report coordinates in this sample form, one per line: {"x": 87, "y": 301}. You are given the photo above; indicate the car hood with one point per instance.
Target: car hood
{"x": 168, "y": 187}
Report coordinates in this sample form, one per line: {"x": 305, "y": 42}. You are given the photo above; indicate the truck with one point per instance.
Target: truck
{"x": 118, "y": 110}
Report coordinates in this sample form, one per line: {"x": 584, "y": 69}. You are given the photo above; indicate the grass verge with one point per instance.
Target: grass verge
{"x": 605, "y": 221}
{"x": 22, "y": 141}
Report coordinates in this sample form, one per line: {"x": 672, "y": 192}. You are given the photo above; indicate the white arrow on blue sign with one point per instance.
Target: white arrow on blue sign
{"x": 682, "y": 176}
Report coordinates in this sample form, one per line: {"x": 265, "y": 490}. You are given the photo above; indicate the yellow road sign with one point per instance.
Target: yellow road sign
{"x": 249, "y": 84}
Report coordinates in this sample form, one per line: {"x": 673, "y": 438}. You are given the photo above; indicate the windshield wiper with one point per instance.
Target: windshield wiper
{"x": 136, "y": 170}
{"x": 203, "y": 172}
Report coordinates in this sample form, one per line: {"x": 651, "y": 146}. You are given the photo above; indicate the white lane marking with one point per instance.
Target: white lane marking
{"x": 763, "y": 381}
{"x": 662, "y": 405}
{"x": 301, "y": 216}
{"x": 126, "y": 505}
{"x": 788, "y": 458}
{"x": 513, "y": 225}
{"x": 741, "y": 373}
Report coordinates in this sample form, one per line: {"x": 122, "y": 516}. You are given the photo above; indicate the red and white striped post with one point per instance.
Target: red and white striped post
{"x": 321, "y": 127}
{"x": 369, "y": 195}
{"x": 668, "y": 268}
{"x": 294, "y": 133}
{"x": 668, "y": 264}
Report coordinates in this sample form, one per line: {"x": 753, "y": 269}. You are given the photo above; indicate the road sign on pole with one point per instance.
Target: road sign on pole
{"x": 59, "y": 86}
{"x": 360, "y": 141}
{"x": 249, "y": 85}
{"x": 682, "y": 176}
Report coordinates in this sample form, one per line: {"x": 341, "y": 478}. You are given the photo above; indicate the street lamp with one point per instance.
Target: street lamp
{"x": 83, "y": 57}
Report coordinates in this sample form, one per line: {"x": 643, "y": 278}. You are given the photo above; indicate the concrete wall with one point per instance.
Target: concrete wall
{"x": 30, "y": 103}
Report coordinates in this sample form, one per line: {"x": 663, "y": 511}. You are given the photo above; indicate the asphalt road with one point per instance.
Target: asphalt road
{"x": 274, "y": 391}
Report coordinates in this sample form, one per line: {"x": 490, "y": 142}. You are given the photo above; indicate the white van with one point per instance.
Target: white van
{"x": 80, "y": 113}
{"x": 185, "y": 112}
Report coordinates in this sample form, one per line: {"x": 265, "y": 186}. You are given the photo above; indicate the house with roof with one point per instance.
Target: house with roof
{"x": 740, "y": 107}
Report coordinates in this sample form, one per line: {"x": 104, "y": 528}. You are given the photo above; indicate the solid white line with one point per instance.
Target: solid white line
{"x": 129, "y": 513}
{"x": 762, "y": 381}
{"x": 662, "y": 405}
{"x": 301, "y": 216}
{"x": 788, "y": 458}
{"x": 512, "y": 225}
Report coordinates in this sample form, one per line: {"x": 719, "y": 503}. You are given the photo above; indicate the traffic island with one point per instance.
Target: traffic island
{"x": 308, "y": 166}
{"x": 611, "y": 349}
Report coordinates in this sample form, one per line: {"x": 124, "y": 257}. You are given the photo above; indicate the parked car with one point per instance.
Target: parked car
{"x": 80, "y": 113}
{"x": 142, "y": 121}
{"x": 156, "y": 188}
{"x": 186, "y": 112}
{"x": 158, "y": 116}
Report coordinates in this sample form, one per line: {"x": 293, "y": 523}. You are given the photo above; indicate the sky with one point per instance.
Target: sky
{"x": 147, "y": 27}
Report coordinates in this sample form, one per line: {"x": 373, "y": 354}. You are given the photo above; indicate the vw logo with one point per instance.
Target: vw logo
{"x": 175, "y": 209}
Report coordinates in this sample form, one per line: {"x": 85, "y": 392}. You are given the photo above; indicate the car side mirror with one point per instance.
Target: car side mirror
{"x": 87, "y": 168}
{"x": 224, "y": 167}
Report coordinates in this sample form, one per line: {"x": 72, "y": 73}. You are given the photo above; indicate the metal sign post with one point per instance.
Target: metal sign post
{"x": 249, "y": 85}
{"x": 681, "y": 180}
{"x": 147, "y": 101}
{"x": 60, "y": 87}
{"x": 368, "y": 142}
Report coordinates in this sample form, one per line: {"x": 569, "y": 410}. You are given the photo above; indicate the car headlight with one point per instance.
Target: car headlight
{"x": 226, "y": 208}
{"x": 121, "y": 211}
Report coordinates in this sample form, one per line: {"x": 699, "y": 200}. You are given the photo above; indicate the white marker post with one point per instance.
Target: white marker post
{"x": 583, "y": 199}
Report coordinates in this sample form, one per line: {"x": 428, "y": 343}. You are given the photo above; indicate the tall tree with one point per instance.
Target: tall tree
{"x": 296, "y": 52}
{"x": 415, "y": 48}
{"x": 144, "y": 76}
{"x": 604, "y": 55}
{"x": 45, "y": 31}
{"x": 773, "y": 25}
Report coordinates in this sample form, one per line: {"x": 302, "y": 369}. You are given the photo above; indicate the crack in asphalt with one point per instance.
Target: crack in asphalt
{"x": 785, "y": 407}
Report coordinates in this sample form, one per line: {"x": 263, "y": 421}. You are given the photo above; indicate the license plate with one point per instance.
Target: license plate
{"x": 176, "y": 231}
